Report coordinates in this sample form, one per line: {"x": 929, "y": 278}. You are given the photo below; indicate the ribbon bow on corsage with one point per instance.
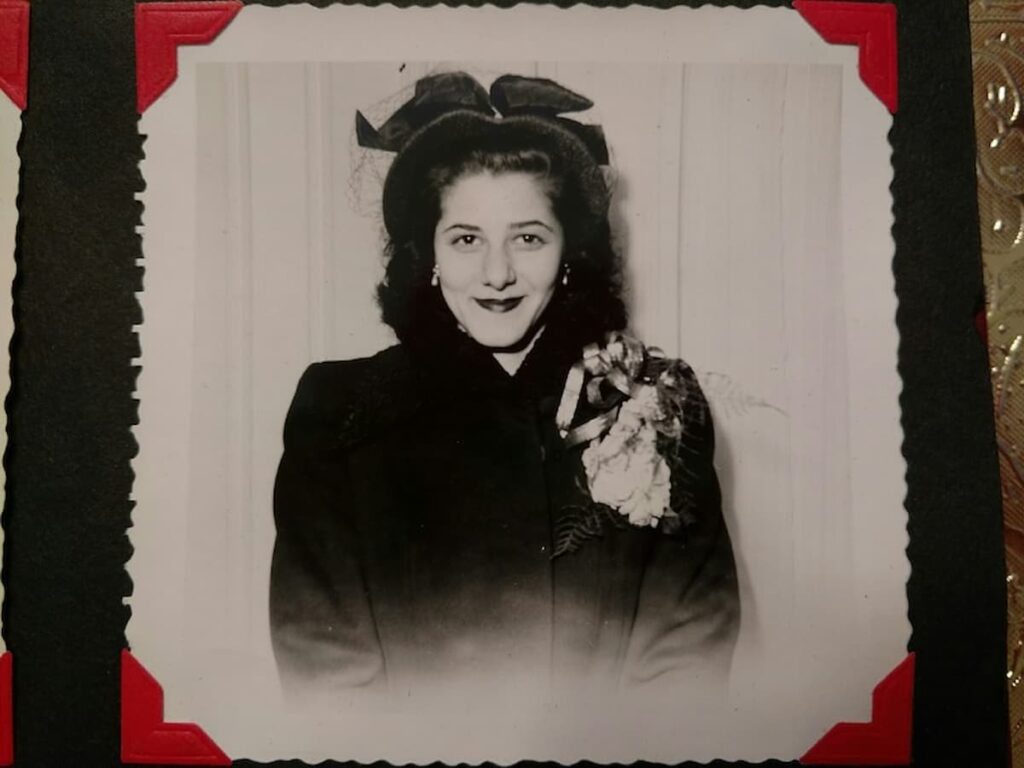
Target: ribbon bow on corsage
{"x": 633, "y": 441}
{"x": 616, "y": 370}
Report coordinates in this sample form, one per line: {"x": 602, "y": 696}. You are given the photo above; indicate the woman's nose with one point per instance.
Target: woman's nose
{"x": 498, "y": 271}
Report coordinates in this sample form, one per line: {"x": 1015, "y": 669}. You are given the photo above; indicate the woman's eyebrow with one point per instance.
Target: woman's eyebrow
{"x": 532, "y": 223}
{"x": 470, "y": 227}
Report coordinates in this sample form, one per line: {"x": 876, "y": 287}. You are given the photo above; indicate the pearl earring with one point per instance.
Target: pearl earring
{"x": 565, "y": 275}
{"x": 435, "y": 277}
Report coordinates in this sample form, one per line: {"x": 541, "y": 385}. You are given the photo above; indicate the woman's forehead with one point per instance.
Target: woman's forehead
{"x": 497, "y": 197}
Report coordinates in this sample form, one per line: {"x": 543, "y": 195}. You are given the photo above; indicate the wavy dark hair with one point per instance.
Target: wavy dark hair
{"x": 591, "y": 304}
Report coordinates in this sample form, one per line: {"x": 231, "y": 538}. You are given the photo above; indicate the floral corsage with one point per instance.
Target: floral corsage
{"x": 634, "y": 462}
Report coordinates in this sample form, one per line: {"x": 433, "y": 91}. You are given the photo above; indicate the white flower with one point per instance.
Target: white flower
{"x": 646, "y": 402}
{"x": 625, "y": 470}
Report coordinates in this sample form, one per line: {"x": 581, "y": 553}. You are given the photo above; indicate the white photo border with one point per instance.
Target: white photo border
{"x": 348, "y": 34}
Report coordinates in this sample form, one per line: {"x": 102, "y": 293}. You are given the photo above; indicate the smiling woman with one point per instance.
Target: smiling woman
{"x": 498, "y": 251}
{"x": 454, "y": 509}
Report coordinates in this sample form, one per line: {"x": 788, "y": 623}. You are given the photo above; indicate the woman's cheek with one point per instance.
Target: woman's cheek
{"x": 541, "y": 267}
{"x": 456, "y": 269}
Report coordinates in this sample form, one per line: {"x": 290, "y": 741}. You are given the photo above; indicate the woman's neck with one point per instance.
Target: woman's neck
{"x": 512, "y": 360}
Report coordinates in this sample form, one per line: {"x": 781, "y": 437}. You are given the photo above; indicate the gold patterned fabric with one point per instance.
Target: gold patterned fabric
{"x": 997, "y": 41}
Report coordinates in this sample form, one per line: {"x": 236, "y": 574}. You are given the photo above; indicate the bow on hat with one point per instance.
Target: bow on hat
{"x": 510, "y": 96}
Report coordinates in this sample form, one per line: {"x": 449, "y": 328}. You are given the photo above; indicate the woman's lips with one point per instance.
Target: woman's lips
{"x": 499, "y": 305}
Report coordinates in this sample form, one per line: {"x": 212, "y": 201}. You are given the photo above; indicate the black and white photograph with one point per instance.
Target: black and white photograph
{"x": 524, "y": 390}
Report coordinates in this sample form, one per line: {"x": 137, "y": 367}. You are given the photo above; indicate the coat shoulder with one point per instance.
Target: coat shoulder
{"x": 340, "y": 403}
{"x": 682, "y": 387}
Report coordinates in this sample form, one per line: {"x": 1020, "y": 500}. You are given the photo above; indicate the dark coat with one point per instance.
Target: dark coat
{"x": 416, "y": 504}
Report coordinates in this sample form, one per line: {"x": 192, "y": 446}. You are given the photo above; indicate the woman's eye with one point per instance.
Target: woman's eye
{"x": 528, "y": 238}
{"x": 466, "y": 240}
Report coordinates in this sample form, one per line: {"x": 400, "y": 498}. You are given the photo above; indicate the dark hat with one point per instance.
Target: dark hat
{"x": 451, "y": 112}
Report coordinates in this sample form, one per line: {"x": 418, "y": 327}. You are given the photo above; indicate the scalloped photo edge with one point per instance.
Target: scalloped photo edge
{"x": 871, "y": 25}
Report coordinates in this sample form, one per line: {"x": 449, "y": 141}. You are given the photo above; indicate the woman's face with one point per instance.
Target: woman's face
{"x": 498, "y": 248}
